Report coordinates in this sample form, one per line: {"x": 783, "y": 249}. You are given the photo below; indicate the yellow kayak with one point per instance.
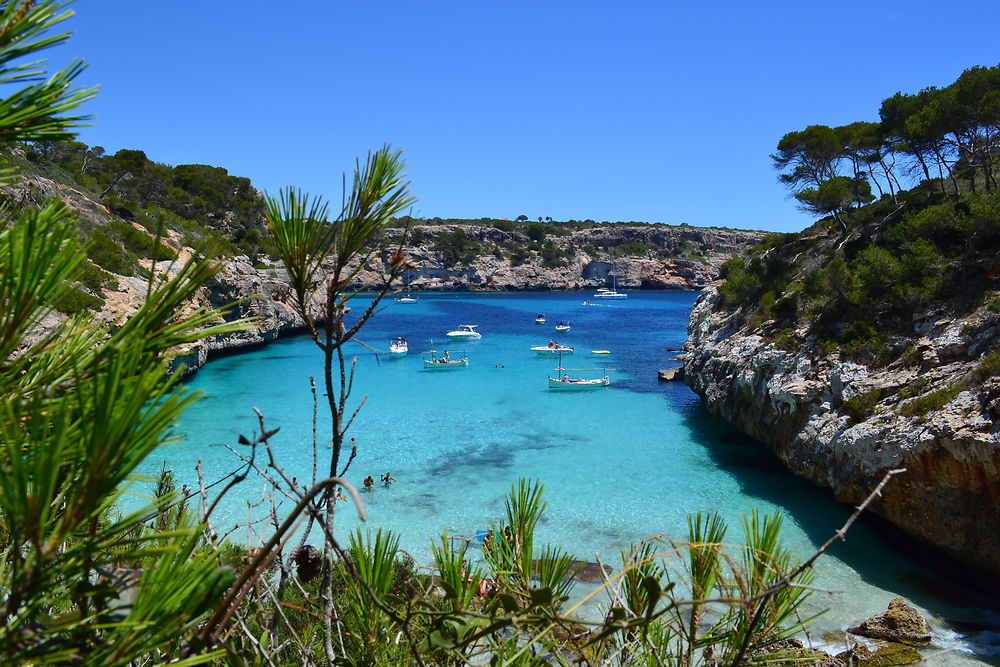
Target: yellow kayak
{"x": 601, "y": 351}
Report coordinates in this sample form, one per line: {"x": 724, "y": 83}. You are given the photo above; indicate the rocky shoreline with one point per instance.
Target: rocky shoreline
{"x": 794, "y": 403}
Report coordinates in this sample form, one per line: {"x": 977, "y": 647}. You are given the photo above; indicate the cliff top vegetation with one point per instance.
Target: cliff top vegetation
{"x": 861, "y": 279}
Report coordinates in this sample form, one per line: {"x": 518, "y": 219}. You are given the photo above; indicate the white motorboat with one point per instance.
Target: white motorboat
{"x": 540, "y": 319}
{"x": 408, "y": 298}
{"x": 562, "y": 327}
{"x": 398, "y": 347}
{"x": 465, "y": 332}
{"x": 552, "y": 349}
{"x": 438, "y": 360}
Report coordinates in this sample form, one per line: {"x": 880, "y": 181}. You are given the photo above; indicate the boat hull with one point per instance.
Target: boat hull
{"x": 595, "y": 383}
{"x": 463, "y": 336}
{"x": 444, "y": 365}
{"x": 613, "y": 296}
{"x": 544, "y": 350}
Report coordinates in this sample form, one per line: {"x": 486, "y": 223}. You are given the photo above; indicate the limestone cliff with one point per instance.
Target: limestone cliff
{"x": 922, "y": 395}
{"x": 444, "y": 257}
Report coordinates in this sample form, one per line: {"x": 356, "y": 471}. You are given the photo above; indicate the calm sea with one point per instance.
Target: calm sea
{"x": 618, "y": 464}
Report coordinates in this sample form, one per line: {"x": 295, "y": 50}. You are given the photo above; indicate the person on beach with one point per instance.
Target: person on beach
{"x": 387, "y": 479}
{"x": 369, "y": 482}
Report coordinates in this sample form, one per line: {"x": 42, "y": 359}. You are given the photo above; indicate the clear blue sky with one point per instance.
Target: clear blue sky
{"x": 653, "y": 110}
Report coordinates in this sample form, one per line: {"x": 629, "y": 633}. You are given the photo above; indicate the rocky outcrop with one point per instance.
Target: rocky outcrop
{"x": 899, "y": 623}
{"x": 676, "y": 257}
{"x": 843, "y": 425}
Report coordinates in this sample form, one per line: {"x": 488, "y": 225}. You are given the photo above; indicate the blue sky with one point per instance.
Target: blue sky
{"x": 652, "y": 111}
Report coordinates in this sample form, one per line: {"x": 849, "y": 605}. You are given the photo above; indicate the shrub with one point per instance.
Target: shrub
{"x": 934, "y": 400}
{"x": 862, "y": 406}
{"x": 74, "y": 301}
{"x": 787, "y": 340}
{"x": 914, "y": 388}
{"x": 107, "y": 254}
{"x": 536, "y": 231}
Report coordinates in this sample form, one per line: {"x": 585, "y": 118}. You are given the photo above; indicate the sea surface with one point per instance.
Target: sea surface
{"x": 618, "y": 464}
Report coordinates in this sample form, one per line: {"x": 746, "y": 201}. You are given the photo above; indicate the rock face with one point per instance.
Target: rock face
{"x": 899, "y": 623}
{"x": 664, "y": 257}
{"x": 677, "y": 257}
{"x": 794, "y": 403}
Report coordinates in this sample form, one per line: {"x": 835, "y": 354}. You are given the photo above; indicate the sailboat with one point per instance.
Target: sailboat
{"x": 406, "y": 298}
{"x": 613, "y": 293}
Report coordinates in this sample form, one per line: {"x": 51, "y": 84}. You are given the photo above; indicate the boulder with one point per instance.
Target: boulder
{"x": 885, "y": 655}
{"x": 899, "y": 623}
{"x": 668, "y": 374}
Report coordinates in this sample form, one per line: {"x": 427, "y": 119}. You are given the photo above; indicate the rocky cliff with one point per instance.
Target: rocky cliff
{"x": 927, "y": 399}
{"x": 468, "y": 257}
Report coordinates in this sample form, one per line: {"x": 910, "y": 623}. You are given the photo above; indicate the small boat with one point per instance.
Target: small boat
{"x": 442, "y": 360}
{"x": 465, "y": 331}
{"x": 562, "y": 380}
{"x": 540, "y": 319}
{"x": 562, "y": 327}
{"x": 600, "y": 351}
{"x": 409, "y": 298}
{"x": 613, "y": 293}
{"x": 566, "y": 382}
{"x": 588, "y": 303}
{"x": 398, "y": 347}
{"x": 552, "y": 348}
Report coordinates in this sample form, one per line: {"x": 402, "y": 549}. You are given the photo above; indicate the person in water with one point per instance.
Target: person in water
{"x": 369, "y": 482}
{"x": 387, "y": 479}
{"x": 340, "y": 495}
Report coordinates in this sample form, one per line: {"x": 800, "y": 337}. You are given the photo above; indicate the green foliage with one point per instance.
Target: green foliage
{"x": 862, "y": 406}
{"x": 536, "y": 231}
{"x": 456, "y": 246}
{"x": 914, "y": 388}
{"x": 632, "y": 249}
{"x": 139, "y": 242}
{"x": 787, "y": 340}
{"x": 417, "y": 236}
{"x": 107, "y": 254}
{"x": 75, "y": 301}
{"x": 931, "y": 401}
{"x": 988, "y": 366}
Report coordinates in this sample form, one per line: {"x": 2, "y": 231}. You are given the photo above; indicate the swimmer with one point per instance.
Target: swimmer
{"x": 369, "y": 482}
{"x": 387, "y": 479}
{"x": 340, "y": 495}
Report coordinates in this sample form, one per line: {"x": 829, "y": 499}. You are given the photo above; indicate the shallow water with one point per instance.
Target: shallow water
{"x": 618, "y": 464}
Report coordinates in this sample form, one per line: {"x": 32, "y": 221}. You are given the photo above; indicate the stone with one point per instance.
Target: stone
{"x": 885, "y": 655}
{"x": 899, "y": 623}
{"x": 669, "y": 374}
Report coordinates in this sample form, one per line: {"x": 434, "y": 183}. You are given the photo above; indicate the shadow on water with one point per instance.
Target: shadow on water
{"x": 762, "y": 475}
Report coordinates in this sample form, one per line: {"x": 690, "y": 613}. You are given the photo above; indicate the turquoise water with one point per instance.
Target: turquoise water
{"x": 618, "y": 464}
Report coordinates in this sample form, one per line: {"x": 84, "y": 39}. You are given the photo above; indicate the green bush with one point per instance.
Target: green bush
{"x": 862, "y": 406}
{"x": 929, "y": 402}
{"x": 105, "y": 253}
{"x": 787, "y": 340}
{"x": 914, "y": 388}
{"x": 456, "y": 246}
{"x": 74, "y": 301}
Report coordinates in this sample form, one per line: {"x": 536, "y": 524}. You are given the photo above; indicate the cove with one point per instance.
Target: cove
{"x": 618, "y": 464}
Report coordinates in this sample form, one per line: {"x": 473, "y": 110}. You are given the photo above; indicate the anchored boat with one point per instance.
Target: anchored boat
{"x": 466, "y": 332}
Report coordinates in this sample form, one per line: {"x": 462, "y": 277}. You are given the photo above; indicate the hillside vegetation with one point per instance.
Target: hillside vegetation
{"x": 862, "y": 280}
